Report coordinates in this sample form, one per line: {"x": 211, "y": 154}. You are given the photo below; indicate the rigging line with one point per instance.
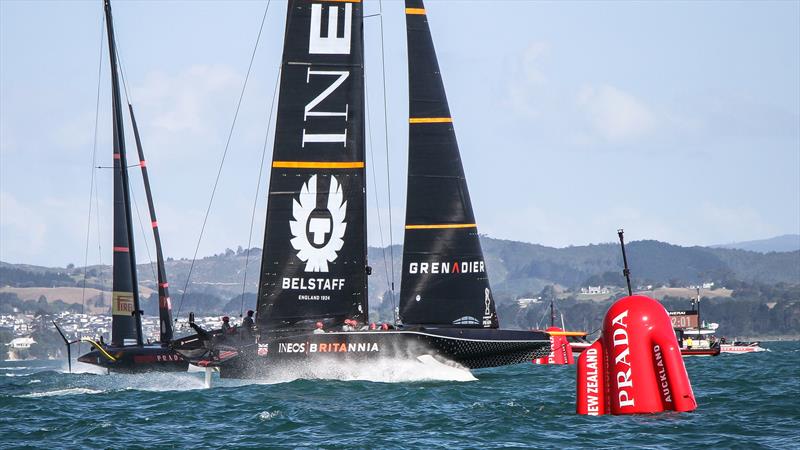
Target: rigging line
{"x": 386, "y": 139}
{"x": 94, "y": 161}
{"x": 258, "y": 189}
{"x": 128, "y": 97}
{"x": 375, "y": 185}
{"x": 222, "y": 162}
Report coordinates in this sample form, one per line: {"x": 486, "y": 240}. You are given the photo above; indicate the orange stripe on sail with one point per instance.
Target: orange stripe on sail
{"x": 317, "y": 165}
{"x": 430, "y": 120}
{"x": 441, "y": 226}
{"x": 415, "y": 11}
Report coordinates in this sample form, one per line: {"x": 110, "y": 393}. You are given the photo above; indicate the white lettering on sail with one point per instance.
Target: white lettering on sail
{"x": 342, "y": 75}
{"x": 308, "y": 110}
{"x": 316, "y": 138}
{"x": 330, "y": 45}
{"x": 456, "y": 267}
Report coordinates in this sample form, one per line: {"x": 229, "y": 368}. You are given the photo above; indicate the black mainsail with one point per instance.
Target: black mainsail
{"x": 444, "y": 274}
{"x": 164, "y": 303}
{"x": 126, "y": 321}
{"x": 122, "y": 355}
{"x": 314, "y": 259}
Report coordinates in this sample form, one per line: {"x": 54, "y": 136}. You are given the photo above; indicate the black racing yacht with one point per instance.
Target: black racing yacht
{"x": 314, "y": 267}
{"x": 127, "y": 351}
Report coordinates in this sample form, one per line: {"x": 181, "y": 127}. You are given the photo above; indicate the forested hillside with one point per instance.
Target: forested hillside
{"x": 516, "y": 269}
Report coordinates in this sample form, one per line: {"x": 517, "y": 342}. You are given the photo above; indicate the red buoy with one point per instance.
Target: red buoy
{"x": 636, "y": 365}
{"x": 560, "y": 350}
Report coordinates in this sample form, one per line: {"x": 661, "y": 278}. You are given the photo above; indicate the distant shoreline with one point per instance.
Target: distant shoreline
{"x": 766, "y": 338}
{"x": 778, "y": 338}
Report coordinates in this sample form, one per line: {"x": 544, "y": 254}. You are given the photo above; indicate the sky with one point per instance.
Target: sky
{"x": 678, "y": 121}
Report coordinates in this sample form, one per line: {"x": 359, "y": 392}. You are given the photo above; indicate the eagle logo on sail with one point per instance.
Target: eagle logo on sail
{"x": 318, "y": 233}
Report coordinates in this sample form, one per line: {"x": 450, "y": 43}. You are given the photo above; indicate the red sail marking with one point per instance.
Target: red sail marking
{"x": 142, "y": 164}
{"x": 122, "y": 249}
{"x": 560, "y": 350}
{"x": 154, "y": 224}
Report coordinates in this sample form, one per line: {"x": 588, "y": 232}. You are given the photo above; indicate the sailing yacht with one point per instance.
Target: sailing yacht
{"x": 127, "y": 351}
{"x": 312, "y": 297}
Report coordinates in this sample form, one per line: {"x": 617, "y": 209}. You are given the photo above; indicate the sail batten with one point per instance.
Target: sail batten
{"x": 314, "y": 261}
{"x": 444, "y": 281}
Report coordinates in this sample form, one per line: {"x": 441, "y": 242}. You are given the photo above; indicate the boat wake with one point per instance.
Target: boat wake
{"x": 81, "y": 368}
{"x": 60, "y": 392}
{"x": 384, "y": 370}
{"x": 158, "y": 382}
{"x": 148, "y": 382}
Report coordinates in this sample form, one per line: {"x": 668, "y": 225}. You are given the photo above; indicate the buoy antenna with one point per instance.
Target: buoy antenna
{"x": 625, "y": 270}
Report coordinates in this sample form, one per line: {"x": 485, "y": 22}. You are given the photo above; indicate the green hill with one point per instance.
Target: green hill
{"x": 516, "y": 269}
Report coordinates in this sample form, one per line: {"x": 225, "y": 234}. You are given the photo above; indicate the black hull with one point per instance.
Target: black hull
{"x": 472, "y": 348}
{"x": 136, "y": 359}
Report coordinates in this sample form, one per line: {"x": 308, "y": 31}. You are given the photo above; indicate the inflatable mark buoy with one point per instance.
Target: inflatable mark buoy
{"x": 636, "y": 366}
{"x": 560, "y": 350}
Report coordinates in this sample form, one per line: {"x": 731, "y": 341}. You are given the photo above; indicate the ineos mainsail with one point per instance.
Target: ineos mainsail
{"x": 314, "y": 265}
{"x": 127, "y": 351}
{"x": 312, "y": 298}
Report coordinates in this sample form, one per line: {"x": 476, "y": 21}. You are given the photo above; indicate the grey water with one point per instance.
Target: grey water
{"x": 745, "y": 401}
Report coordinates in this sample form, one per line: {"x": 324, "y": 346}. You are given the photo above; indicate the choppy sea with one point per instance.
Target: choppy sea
{"x": 745, "y": 401}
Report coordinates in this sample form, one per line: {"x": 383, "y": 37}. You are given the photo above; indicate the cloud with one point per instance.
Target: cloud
{"x": 187, "y": 101}
{"x": 527, "y": 90}
{"x": 615, "y": 114}
{"x": 532, "y": 60}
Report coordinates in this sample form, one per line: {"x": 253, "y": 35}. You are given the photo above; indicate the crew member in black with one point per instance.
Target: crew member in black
{"x": 226, "y": 325}
{"x": 247, "y": 322}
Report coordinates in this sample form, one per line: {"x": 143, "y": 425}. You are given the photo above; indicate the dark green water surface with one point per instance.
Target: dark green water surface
{"x": 745, "y": 401}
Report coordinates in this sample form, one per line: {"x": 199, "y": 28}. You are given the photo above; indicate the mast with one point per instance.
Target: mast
{"x": 313, "y": 266}
{"x": 164, "y": 303}
{"x": 126, "y": 320}
{"x": 444, "y": 274}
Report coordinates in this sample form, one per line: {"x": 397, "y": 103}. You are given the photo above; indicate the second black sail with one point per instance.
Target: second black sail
{"x": 444, "y": 274}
